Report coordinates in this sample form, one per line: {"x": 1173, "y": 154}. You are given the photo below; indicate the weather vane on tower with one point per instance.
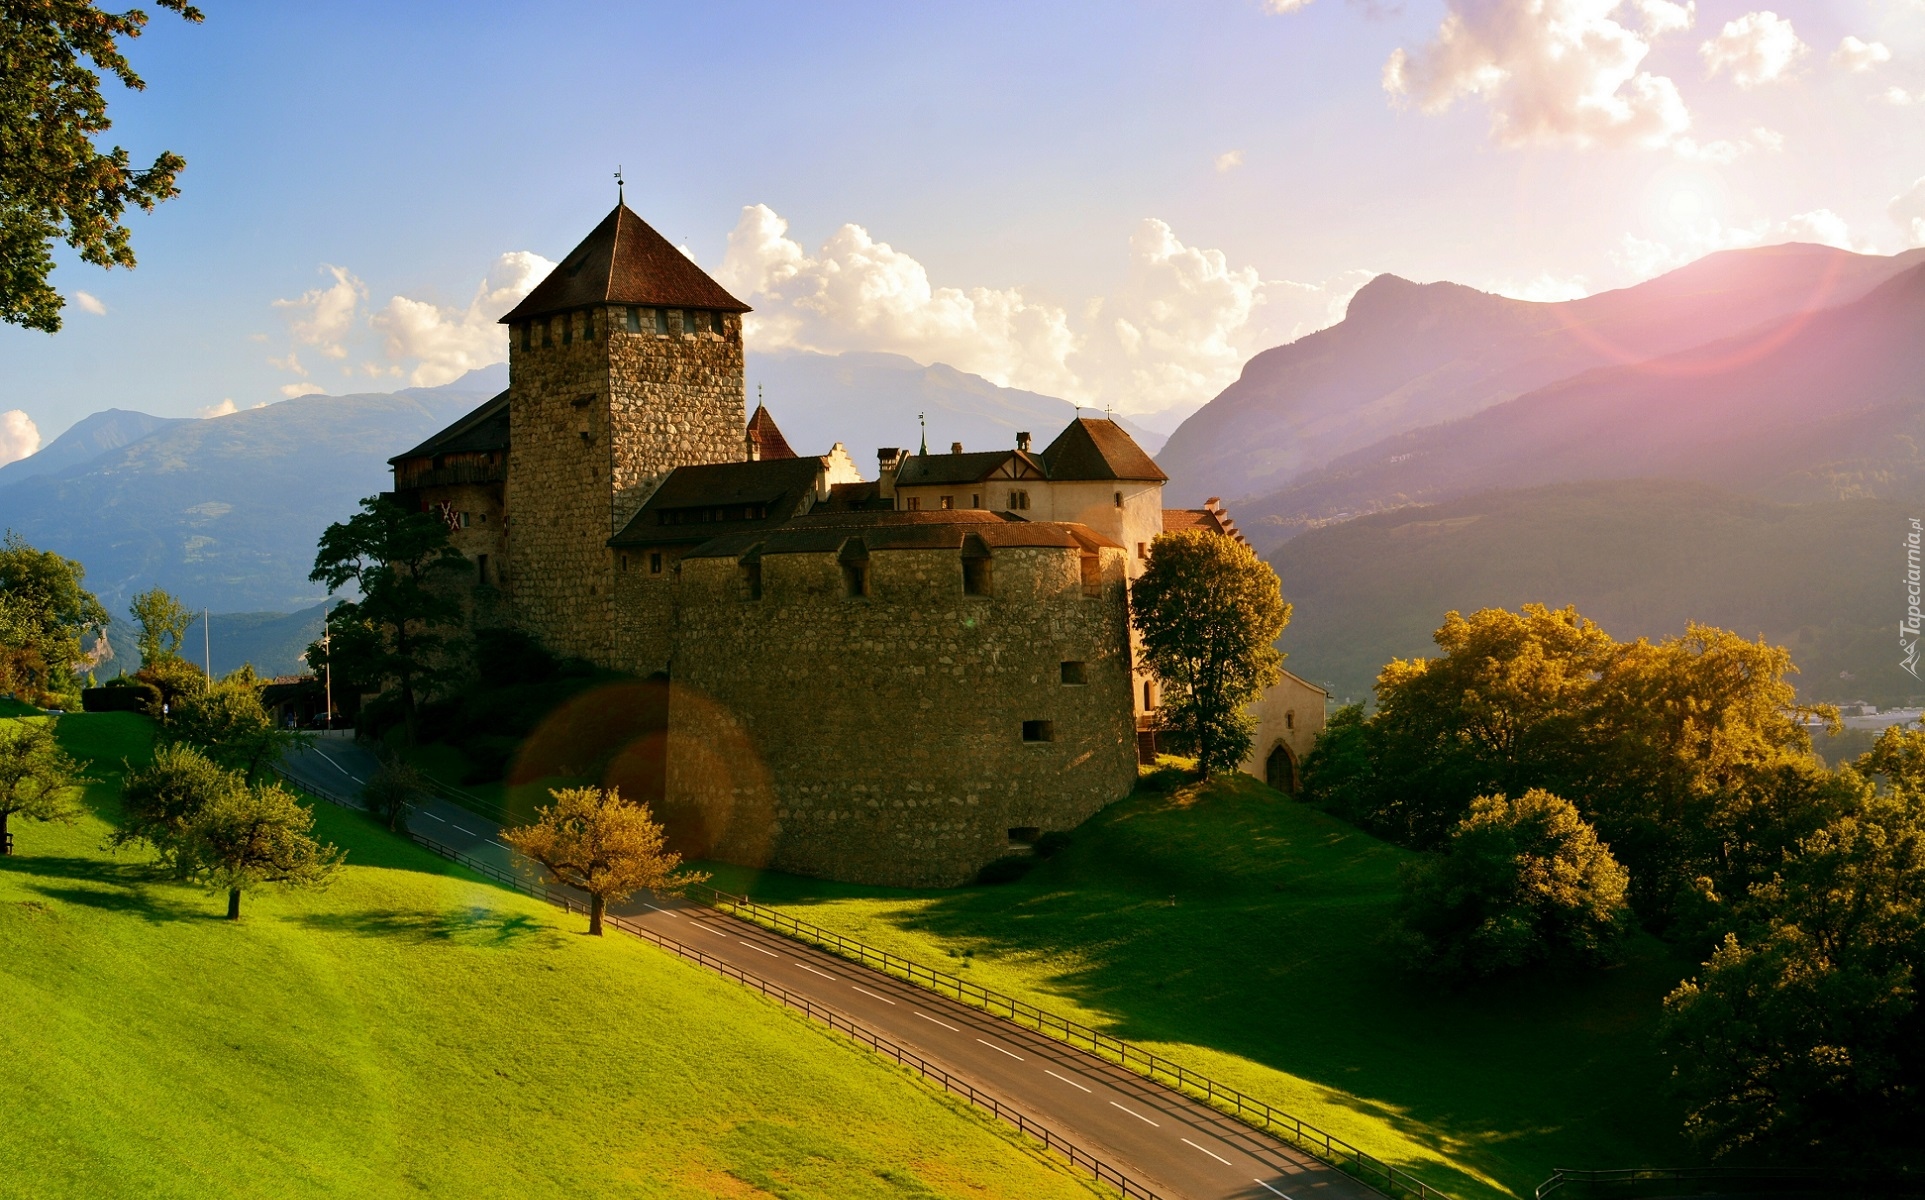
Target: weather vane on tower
{"x": 618, "y": 183}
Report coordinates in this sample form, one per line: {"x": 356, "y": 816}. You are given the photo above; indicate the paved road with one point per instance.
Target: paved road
{"x": 1183, "y": 1149}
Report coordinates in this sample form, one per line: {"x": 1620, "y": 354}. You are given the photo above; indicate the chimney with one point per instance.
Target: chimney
{"x": 1022, "y": 442}
{"x": 888, "y": 462}
{"x": 955, "y": 447}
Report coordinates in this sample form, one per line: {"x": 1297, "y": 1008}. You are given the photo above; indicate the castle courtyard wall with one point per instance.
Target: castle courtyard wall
{"x": 880, "y": 739}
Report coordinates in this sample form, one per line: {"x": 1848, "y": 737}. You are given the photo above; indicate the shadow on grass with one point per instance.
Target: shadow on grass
{"x": 468, "y": 926}
{"x": 1249, "y": 925}
{"x": 108, "y": 886}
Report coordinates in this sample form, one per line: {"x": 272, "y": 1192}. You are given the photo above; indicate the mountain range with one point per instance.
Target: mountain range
{"x": 1409, "y": 356}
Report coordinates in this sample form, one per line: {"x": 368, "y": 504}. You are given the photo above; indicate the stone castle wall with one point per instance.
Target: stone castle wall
{"x": 880, "y": 739}
{"x": 596, "y": 419}
{"x": 645, "y": 608}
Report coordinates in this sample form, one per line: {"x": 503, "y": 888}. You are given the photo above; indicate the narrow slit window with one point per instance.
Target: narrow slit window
{"x": 1119, "y": 499}
{"x": 661, "y": 322}
{"x": 481, "y": 567}
{"x": 568, "y": 329}
{"x": 655, "y": 563}
{"x": 854, "y": 560}
{"x": 528, "y": 335}
{"x": 752, "y": 579}
{"x": 588, "y": 326}
{"x": 634, "y": 322}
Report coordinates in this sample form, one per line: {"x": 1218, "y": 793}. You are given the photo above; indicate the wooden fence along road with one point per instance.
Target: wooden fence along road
{"x": 1137, "y": 1135}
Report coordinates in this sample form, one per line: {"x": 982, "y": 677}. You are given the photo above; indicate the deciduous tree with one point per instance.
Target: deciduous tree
{"x": 247, "y": 836}
{"x": 47, "y": 612}
{"x": 163, "y": 622}
{"x": 1521, "y": 882}
{"x": 395, "y": 558}
{"x": 1209, "y": 612}
{"x": 395, "y": 788}
{"x": 161, "y": 800}
{"x": 55, "y": 184}
{"x": 595, "y": 841}
{"x": 229, "y": 723}
{"x": 38, "y": 780}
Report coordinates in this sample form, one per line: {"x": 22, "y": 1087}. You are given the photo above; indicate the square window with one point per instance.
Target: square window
{"x": 1075, "y": 671}
{"x": 914, "y": 503}
{"x": 975, "y": 500}
{"x": 949, "y": 502}
{"x": 855, "y": 578}
{"x": 661, "y": 322}
{"x": 634, "y": 319}
{"x": 1039, "y": 731}
{"x": 655, "y": 563}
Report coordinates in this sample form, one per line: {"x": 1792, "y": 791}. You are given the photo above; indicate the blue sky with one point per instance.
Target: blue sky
{"x": 1115, "y": 202}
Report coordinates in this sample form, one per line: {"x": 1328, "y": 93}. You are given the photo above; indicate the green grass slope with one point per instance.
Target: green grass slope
{"x": 1237, "y": 931}
{"x": 418, "y": 1032}
{"x": 1640, "y": 557}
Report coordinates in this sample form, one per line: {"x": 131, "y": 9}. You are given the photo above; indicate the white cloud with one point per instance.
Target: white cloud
{"x": 295, "y": 390}
{"x": 1551, "y": 71}
{"x": 1280, "y": 7}
{"x": 1908, "y": 209}
{"x": 19, "y": 436}
{"x": 1229, "y": 160}
{"x": 227, "y": 407}
{"x": 1757, "y": 48}
{"x": 1898, "y": 97}
{"x": 1178, "y": 330}
{"x": 323, "y": 317}
{"x": 89, "y": 302}
{"x": 1643, "y": 258}
{"x": 1725, "y": 151}
{"x": 446, "y": 343}
{"x": 1857, "y": 57}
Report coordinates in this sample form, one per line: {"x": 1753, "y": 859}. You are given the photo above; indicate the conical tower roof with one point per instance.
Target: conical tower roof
{"x": 624, "y": 262}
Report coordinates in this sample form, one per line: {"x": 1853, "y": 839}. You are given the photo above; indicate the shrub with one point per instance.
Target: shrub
{"x": 1522, "y": 882}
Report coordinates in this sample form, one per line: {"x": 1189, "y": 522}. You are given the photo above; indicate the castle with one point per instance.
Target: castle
{"x": 889, "y": 681}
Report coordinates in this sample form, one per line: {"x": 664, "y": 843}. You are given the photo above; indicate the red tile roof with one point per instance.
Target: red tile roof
{"x": 766, "y": 438}
{"x": 624, "y": 262}
{"x": 1212, "y": 516}
{"x": 1099, "y": 449}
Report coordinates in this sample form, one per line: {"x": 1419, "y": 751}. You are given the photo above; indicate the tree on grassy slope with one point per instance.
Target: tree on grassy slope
{"x": 161, "y": 800}
{"x": 253, "y": 835}
{"x": 1209, "y": 612}
{"x": 208, "y": 824}
{"x": 229, "y": 723}
{"x": 37, "y": 778}
{"x": 1522, "y": 882}
{"x": 593, "y": 840}
{"x": 54, "y": 182}
{"x": 395, "y": 558}
{"x": 396, "y": 787}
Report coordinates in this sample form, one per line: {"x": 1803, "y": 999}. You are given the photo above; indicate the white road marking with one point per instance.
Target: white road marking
{"x": 944, "y": 1024}
{"x": 432, "y": 817}
{"x": 1139, "y": 1116}
{"x": 337, "y": 766}
{"x": 705, "y": 927}
{"x": 670, "y": 912}
{"x": 1274, "y": 1192}
{"x": 758, "y": 949}
{"x": 811, "y": 970}
{"x": 1079, "y": 1087}
{"x": 1000, "y": 1050}
{"x": 469, "y": 832}
{"x": 1213, "y": 1154}
{"x": 865, "y": 991}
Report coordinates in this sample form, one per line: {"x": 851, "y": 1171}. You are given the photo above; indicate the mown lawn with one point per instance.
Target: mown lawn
{"x": 415, "y": 1031}
{"x": 1239, "y": 932}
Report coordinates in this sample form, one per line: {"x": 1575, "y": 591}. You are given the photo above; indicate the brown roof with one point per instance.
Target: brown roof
{"x": 1212, "y": 516}
{"x": 766, "y": 438}
{"x": 1099, "y": 449}
{"x": 624, "y": 262}
{"x": 697, "y": 503}
{"x": 827, "y": 533}
{"x": 484, "y": 429}
{"x": 974, "y": 466}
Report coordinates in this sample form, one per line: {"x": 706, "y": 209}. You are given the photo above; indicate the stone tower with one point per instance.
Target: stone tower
{"x": 623, "y": 364}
